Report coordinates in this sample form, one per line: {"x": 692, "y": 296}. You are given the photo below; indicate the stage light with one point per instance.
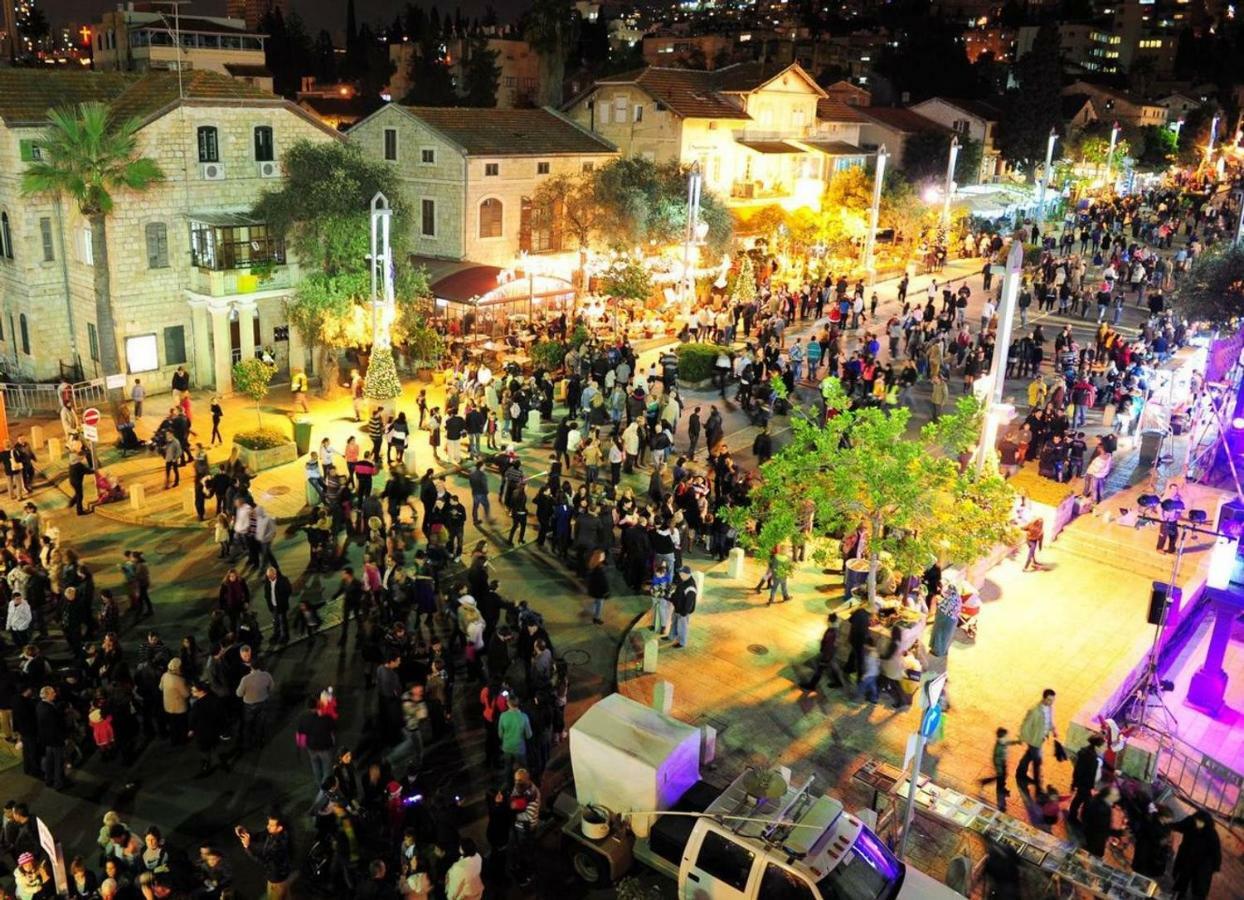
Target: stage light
{"x": 1237, "y": 423}
{"x": 1148, "y": 501}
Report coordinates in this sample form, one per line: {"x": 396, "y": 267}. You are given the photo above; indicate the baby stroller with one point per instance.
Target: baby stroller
{"x": 127, "y": 441}
{"x": 969, "y": 612}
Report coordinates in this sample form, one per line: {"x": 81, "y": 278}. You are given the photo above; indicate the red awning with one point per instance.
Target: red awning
{"x": 466, "y": 284}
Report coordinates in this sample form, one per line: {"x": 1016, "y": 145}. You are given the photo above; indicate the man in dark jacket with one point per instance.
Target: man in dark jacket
{"x": 78, "y": 470}
{"x": 272, "y": 854}
{"x": 693, "y": 432}
{"x": 1098, "y": 827}
{"x": 683, "y": 597}
{"x": 1084, "y": 777}
{"x": 52, "y": 734}
{"x": 26, "y": 724}
{"x": 859, "y": 621}
{"x": 1199, "y": 856}
{"x": 825, "y": 658}
{"x": 205, "y": 725}
{"x": 277, "y": 589}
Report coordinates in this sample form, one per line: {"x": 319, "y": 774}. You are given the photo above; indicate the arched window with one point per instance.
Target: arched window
{"x": 157, "y": 245}
{"x": 25, "y": 334}
{"x": 209, "y": 144}
{"x": 490, "y": 212}
{"x": 6, "y": 237}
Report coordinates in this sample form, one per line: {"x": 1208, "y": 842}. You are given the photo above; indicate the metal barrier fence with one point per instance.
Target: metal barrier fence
{"x": 44, "y": 399}
{"x": 1201, "y": 779}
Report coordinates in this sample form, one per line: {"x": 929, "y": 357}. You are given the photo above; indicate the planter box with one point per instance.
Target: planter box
{"x": 258, "y": 460}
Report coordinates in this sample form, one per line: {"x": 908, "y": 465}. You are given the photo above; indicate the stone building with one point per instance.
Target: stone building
{"x": 195, "y": 280}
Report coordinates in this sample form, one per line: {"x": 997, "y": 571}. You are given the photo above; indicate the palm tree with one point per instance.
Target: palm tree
{"x": 86, "y": 156}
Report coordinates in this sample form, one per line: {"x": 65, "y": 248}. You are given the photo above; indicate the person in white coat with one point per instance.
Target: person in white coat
{"x": 463, "y": 881}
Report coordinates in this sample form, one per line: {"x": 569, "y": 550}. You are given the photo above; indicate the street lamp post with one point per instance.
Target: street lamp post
{"x": 1114, "y": 140}
{"x": 874, "y": 214}
{"x": 382, "y": 297}
{"x": 694, "y": 181}
{"x": 1177, "y": 126}
{"x": 1045, "y": 176}
{"x": 950, "y": 183}
{"x": 1011, "y": 280}
{"x": 1213, "y": 134}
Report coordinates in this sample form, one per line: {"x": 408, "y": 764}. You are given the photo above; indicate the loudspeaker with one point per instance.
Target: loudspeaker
{"x": 1231, "y": 519}
{"x": 1163, "y": 595}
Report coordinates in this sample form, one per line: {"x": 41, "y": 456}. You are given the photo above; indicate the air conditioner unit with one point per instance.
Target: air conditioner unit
{"x": 268, "y": 169}
{"x": 213, "y": 171}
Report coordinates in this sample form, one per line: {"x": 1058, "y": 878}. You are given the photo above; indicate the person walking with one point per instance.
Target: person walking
{"x": 298, "y": 389}
{"x": 1037, "y": 727}
{"x": 826, "y": 659}
{"x": 1084, "y": 776}
{"x": 19, "y": 619}
{"x": 138, "y": 394}
{"x": 998, "y": 779}
{"x": 172, "y": 461}
{"x": 277, "y": 591}
{"x": 1199, "y": 856}
{"x": 683, "y": 598}
{"x": 218, "y": 413}
{"x": 597, "y": 585}
{"x": 1098, "y": 821}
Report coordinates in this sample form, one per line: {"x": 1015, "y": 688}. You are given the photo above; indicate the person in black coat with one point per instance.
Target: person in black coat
{"x": 1084, "y": 777}
{"x": 27, "y": 727}
{"x": 1199, "y": 856}
{"x": 1152, "y": 843}
{"x": 205, "y": 725}
{"x": 52, "y": 734}
{"x": 1098, "y": 825}
{"x": 276, "y": 589}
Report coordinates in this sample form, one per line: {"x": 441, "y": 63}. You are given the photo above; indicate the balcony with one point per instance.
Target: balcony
{"x": 759, "y": 190}
{"x": 233, "y": 254}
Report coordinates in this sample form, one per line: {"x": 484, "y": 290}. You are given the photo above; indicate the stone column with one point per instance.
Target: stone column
{"x": 200, "y": 327}
{"x": 246, "y": 326}
{"x": 1208, "y": 686}
{"x": 222, "y": 356}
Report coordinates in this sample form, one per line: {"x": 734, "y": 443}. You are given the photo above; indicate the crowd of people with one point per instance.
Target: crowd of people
{"x": 422, "y": 615}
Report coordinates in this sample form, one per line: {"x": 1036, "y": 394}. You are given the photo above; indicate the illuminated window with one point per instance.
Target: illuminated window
{"x": 141, "y": 353}
{"x": 490, "y": 215}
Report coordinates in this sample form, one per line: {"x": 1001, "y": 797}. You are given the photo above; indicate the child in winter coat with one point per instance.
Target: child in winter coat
{"x": 102, "y": 731}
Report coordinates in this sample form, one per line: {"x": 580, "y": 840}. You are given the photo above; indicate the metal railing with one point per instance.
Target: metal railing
{"x": 44, "y": 399}
{"x": 1200, "y": 778}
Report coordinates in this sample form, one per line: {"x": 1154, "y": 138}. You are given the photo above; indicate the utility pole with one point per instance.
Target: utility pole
{"x": 950, "y": 184}
{"x": 870, "y": 268}
{"x": 694, "y": 181}
{"x": 1114, "y": 140}
{"x": 1045, "y": 177}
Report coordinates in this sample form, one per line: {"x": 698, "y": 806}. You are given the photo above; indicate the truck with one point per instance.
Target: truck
{"x": 638, "y": 797}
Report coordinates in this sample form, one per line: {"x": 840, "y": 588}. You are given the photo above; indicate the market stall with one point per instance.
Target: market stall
{"x": 488, "y": 300}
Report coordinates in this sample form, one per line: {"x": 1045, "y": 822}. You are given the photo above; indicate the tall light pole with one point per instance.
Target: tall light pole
{"x": 1114, "y": 140}
{"x": 870, "y": 269}
{"x": 1011, "y": 280}
{"x": 950, "y": 183}
{"x": 1177, "y": 126}
{"x": 1045, "y": 175}
{"x": 383, "y": 303}
{"x": 694, "y": 181}
{"x": 1213, "y": 134}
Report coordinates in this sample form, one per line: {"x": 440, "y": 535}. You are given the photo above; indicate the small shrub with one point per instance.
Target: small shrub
{"x": 260, "y": 439}
{"x": 695, "y": 361}
{"x": 548, "y": 355}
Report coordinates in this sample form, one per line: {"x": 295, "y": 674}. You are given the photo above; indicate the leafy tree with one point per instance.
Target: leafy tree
{"x": 861, "y": 469}
{"x": 323, "y": 209}
{"x": 287, "y": 50}
{"x": 646, "y": 202}
{"x": 1213, "y": 289}
{"x": 431, "y": 82}
{"x": 481, "y": 74}
{"x": 550, "y": 27}
{"x": 325, "y": 56}
{"x": 375, "y": 66}
{"x": 1036, "y": 107}
{"x": 1160, "y": 145}
{"x": 251, "y": 378}
{"x": 627, "y": 279}
{"x": 87, "y": 157}
{"x": 571, "y": 198}
{"x": 926, "y": 153}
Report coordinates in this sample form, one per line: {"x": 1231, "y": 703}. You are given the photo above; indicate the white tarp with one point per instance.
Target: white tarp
{"x": 628, "y": 757}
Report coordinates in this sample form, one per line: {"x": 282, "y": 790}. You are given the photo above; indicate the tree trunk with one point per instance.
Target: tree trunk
{"x": 105, "y": 322}
{"x": 329, "y": 370}
{"x": 874, "y": 561}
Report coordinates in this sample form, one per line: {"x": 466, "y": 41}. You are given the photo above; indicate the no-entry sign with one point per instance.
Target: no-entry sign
{"x": 90, "y": 424}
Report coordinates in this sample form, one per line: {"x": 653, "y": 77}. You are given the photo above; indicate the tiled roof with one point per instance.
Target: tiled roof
{"x": 510, "y": 132}
{"x": 689, "y": 93}
{"x": 901, "y": 120}
{"x": 1072, "y": 104}
{"x": 747, "y": 76}
{"x": 978, "y": 108}
{"x": 157, "y": 90}
{"x": 834, "y": 148}
{"x": 832, "y": 110}
{"x": 771, "y": 146}
{"x": 26, "y": 95}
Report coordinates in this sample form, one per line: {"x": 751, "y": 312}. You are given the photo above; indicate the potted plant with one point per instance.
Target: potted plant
{"x": 262, "y": 448}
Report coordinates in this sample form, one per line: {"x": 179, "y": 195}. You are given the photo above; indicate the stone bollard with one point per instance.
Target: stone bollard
{"x": 138, "y": 496}
{"x": 55, "y": 450}
{"x": 36, "y": 437}
{"x": 735, "y": 568}
{"x": 533, "y": 419}
{"x": 708, "y": 745}
{"x": 652, "y": 649}
{"x": 663, "y": 697}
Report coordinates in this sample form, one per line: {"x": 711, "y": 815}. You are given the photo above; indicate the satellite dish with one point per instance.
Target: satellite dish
{"x": 765, "y": 785}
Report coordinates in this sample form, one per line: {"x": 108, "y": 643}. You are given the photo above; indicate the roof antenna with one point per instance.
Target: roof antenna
{"x": 175, "y": 33}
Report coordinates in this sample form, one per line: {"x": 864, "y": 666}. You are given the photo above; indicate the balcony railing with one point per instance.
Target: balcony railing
{"x": 759, "y": 190}
{"x": 244, "y": 253}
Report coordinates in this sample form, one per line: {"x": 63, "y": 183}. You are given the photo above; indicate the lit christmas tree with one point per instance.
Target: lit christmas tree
{"x": 745, "y": 282}
{"x": 382, "y": 384}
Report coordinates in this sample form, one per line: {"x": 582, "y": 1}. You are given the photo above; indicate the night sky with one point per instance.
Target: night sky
{"x": 330, "y": 14}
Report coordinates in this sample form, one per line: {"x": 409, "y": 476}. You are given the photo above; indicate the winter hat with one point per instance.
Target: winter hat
{"x": 25, "y": 858}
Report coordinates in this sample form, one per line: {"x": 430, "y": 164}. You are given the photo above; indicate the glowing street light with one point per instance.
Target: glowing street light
{"x": 1213, "y": 134}
{"x": 1045, "y": 175}
{"x": 1002, "y": 342}
{"x": 694, "y": 181}
{"x": 950, "y": 182}
{"x": 1114, "y": 140}
{"x": 874, "y": 214}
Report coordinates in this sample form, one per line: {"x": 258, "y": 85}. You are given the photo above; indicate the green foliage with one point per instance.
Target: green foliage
{"x": 424, "y": 343}
{"x": 381, "y": 383}
{"x": 861, "y": 468}
{"x": 744, "y": 289}
{"x": 695, "y": 361}
{"x": 251, "y": 378}
{"x": 579, "y": 336}
{"x": 1030, "y": 113}
{"x": 548, "y": 355}
{"x": 1161, "y": 145}
{"x": 627, "y": 279}
{"x": 431, "y": 82}
{"x": 260, "y": 439}
{"x": 644, "y": 202}
{"x": 481, "y": 73}
{"x": 1213, "y": 288}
